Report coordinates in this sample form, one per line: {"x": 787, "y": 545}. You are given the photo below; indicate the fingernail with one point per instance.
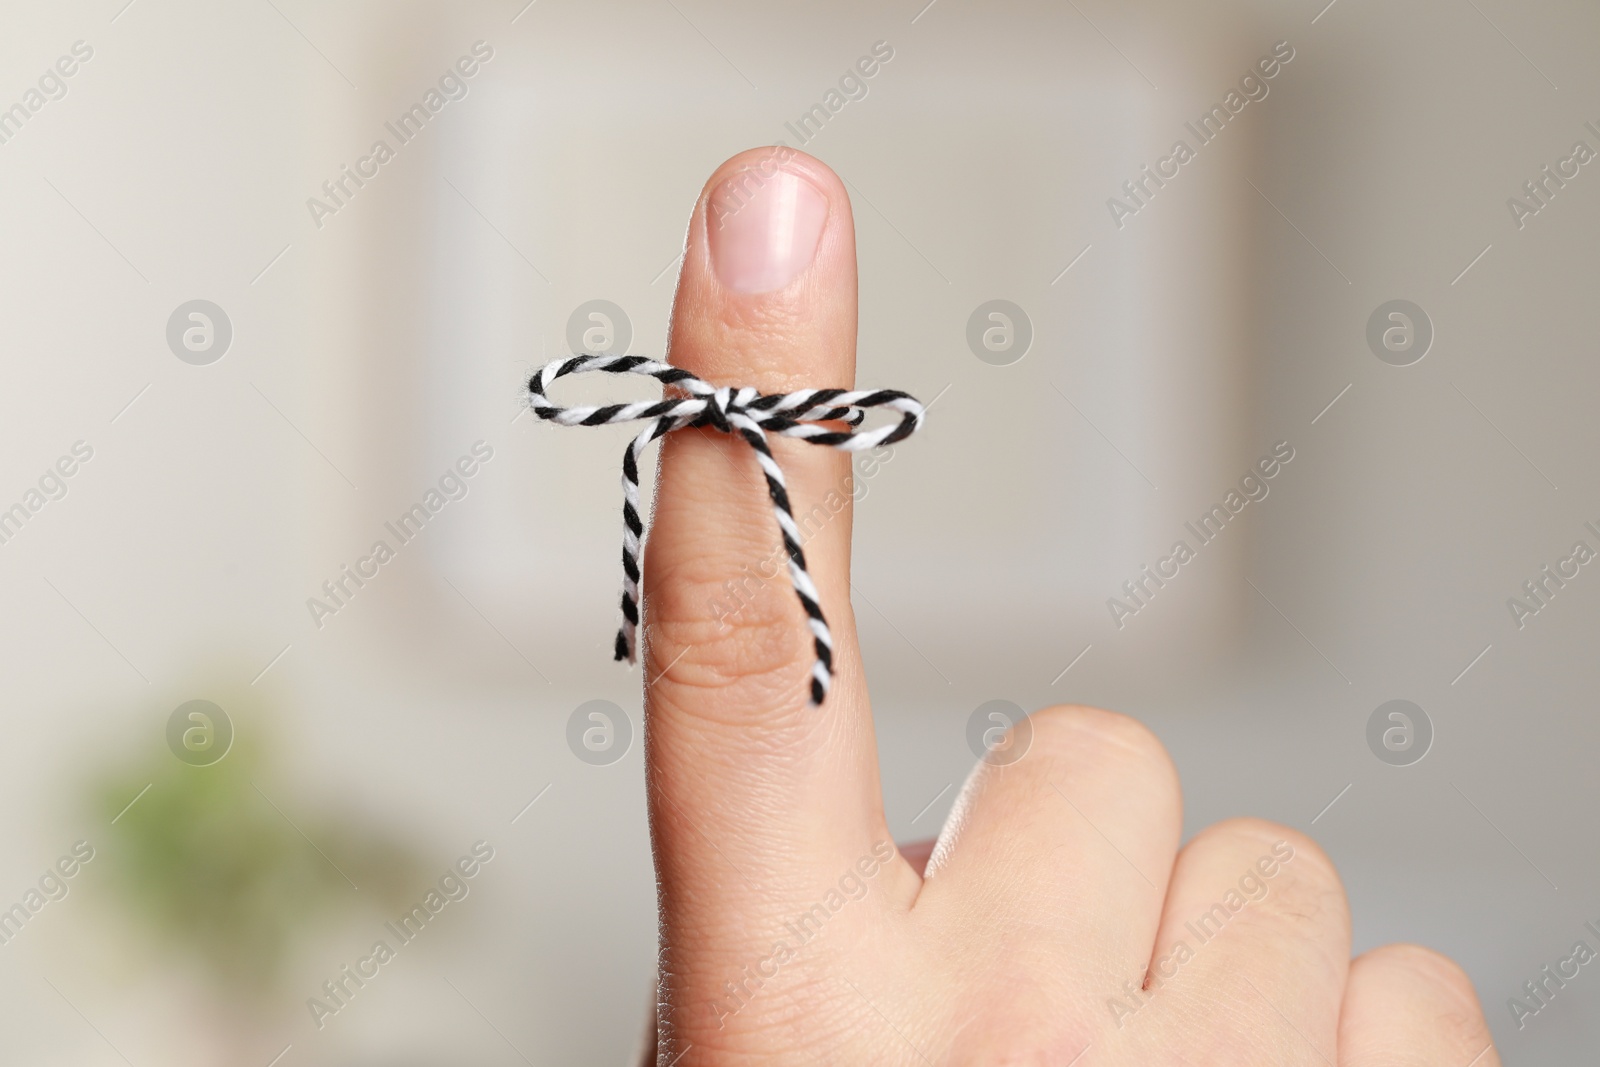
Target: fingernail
{"x": 763, "y": 230}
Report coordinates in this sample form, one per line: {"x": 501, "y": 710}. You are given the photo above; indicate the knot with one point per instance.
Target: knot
{"x": 811, "y": 415}
{"x": 724, "y": 402}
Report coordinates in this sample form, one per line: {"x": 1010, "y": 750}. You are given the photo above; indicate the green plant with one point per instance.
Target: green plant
{"x": 219, "y": 866}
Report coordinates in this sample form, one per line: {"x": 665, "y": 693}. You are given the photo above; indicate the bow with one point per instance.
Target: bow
{"x": 744, "y": 412}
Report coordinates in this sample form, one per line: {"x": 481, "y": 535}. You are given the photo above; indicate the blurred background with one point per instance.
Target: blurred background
{"x": 242, "y": 342}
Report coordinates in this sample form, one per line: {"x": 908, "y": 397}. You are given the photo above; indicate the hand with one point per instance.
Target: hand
{"x": 1057, "y": 921}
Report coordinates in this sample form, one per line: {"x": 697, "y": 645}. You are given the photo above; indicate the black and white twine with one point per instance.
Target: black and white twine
{"x": 744, "y": 412}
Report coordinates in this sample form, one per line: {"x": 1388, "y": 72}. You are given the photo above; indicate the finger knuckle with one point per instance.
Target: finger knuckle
{"x": 1299, "y": 853}
{"x": 1304, "y": 900}
{"x": 741, "y": 642}
{"x": 1099, "y": 737}
{"x": 1442, "y": 976}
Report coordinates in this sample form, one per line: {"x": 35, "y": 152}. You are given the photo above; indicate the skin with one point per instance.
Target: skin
{"x": 1056, "y": 887}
